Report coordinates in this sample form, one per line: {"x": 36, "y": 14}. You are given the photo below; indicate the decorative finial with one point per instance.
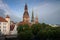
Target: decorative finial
{"x": 7, "y": 16}
{"x": 26, "y": 7}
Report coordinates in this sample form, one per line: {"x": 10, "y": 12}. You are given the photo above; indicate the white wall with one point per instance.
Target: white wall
{"x": 4, "y": 27}
{"x": 8, "y": 26}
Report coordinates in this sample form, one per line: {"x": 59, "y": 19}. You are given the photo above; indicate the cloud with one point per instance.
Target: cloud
{"x": 4, "y": 7}
{"x": 48, "y": 12}
{"x": 5, "y": 10}
{"x": 2, "y": 13}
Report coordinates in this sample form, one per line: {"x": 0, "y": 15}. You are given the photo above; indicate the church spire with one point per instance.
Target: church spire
{"x": 32, "y": 19}
{"x": 26, "y": 14}
{"x": 26, "y": 7}
{"x": 26, "y": 10}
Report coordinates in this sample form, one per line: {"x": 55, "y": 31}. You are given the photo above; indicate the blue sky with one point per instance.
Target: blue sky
{"x": 48, "y": 10}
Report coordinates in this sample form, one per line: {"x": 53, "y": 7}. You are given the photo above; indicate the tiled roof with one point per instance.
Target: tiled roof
{"x": 2, "y": 19}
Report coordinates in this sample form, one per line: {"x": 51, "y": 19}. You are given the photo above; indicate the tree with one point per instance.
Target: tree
{"x": 24, "y": 32}
{"x": 35, "y": 28}
{"x": 38, "y": 32}
{"x": 20, "y": 28}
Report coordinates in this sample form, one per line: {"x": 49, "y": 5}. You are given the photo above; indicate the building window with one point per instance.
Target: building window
{"x": 4, "y": 23}
{"x": 0, "y": 26}
{"x": 0, "y": 30}
{"x": 0, "y": 23}
{"x": 4, "y": 26}
{"x": 4, "y": 30}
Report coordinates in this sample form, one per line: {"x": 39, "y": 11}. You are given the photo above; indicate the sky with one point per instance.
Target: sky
{"x": 48, "y": 11}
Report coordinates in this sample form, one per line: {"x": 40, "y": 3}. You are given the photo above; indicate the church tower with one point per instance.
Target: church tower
{"x": 32, "y": 18}
{"x": 36, "y": 19}
{"x": 8, "y": 25}
{"x": 26, "y": 17}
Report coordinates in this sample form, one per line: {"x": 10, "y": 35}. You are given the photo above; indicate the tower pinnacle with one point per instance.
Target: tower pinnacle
{"x": 32, "y": 19}
{"x": 26, "y": 7}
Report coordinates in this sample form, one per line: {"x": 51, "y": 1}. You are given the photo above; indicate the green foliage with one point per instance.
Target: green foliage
{"x": 35, "y": 28}
{"x": 39, "y": 31}
{"x": 20, "y": 28}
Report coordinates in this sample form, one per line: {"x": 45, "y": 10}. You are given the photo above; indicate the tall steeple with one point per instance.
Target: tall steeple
{"x": 32, "y": 19}
{"x": 26, "y": 7}
{"x": 26, "y": 15}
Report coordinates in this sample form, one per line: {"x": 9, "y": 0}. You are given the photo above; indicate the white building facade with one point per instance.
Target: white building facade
{"x": 5, "y": 25}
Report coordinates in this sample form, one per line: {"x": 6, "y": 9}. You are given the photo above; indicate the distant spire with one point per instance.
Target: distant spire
{"x": 32, "y": 20}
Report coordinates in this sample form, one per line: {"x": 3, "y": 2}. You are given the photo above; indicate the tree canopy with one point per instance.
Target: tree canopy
{"x": 38, "y": 32}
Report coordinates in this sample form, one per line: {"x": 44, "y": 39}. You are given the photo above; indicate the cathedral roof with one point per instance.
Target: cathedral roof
{"x": 2, "y": 19}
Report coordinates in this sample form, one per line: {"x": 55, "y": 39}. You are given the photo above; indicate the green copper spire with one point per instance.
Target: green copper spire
{"x": 32, "y": 20}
